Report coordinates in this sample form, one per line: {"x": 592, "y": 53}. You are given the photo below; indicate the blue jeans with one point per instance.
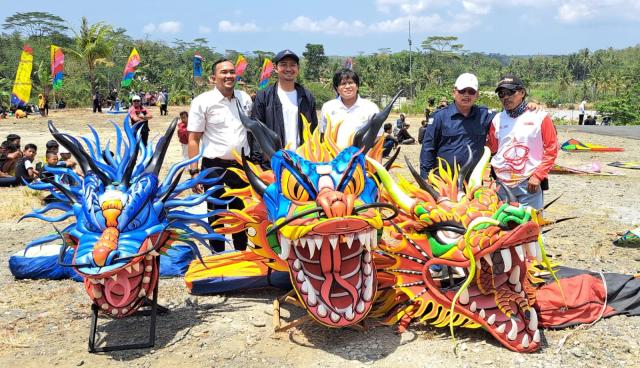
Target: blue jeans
{"x": 535, "y": 200}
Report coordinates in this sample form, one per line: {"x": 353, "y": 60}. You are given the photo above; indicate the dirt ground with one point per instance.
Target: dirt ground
{"x": 46, "y": 323}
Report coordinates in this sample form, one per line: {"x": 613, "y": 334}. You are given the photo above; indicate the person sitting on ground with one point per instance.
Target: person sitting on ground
{"x": 403, "y": 135}
{"x": 399, "y": 124}
{"x": 590, "y": 120}
{"x": 140, "y": 114}
{"x": 11, "y": 157}
{"x": 51, "y": 160}
{"x": 25, "y": 168}
{"x": 390, "y": 142}
{"x": 423, "y": 128}
{"x": 20, "y": 114}
{"x": 183, "y": 134}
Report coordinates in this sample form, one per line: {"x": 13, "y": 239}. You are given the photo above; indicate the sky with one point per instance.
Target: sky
{"x": 346, "y": 28}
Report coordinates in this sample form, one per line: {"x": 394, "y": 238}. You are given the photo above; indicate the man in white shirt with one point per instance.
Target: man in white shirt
{"x": 581, "y": 109}
{"x": 281, "y": 105}
{"x": 214, "y": 120}
{"x": 348, "y": 109}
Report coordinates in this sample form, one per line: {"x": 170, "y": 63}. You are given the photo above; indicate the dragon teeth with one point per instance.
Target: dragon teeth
{"x": 538, "y": 253}
{"x": 333, "y": 239}
{"x": 312, "y": 300}
{"x": 147, "y": 269}
{"x": 513, "y": 332}
{"x": 300, "y": 276}
{"x": 514, "y": 278}
{"x": 506, "y": 258}
{"x": 104, "y": 306}
{"x": 464, "y": 296}
{"x": 482, "y": 314}
{"x": 297, "y": 265}
{"x": 518, "y": 288}
{"x": 487, "y": 258}
{"x": 136, "y": 267}
{"x": 97, "y": 293}
{"x": 318, "y": 240}
{"x": 533, "y": 320}
{"x": 501, "y": 328}
{"x": 146, "y": 280}
{"x": 473, "y": 307}
{"x": 312, "y": 248}
{"x": 93, "y": 281}
{"x": 302, "y": 242}
{"x": 114, "y": 277}
{"x": 285, "y": 247}
{"x": 525, "y": 341}
{"x": 322, "y": 310}
{"x": 128, "y": 269}
{"x": 349, "y": 239}
{"x": 367, "y": 257}
{"x": 348, "y": 314}
{"x": 142, "y": 293}
{"x": 374, "y": 238}
{"x": 363, "y": 238}
{"x": 114, "y": 311}
{"x": 520, "y": 253}
{"x": 367, "y": 269}
{"x": 531, "y": 249}
{"x": 334, "y": 317}
{"x": 360, "y": 307}
{"x": 491, "y": 319}
{"x": 536, "y": 336}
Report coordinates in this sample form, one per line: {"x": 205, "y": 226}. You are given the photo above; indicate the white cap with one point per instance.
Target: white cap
{"x": 466, "y": 80}
{"x": 61, "y": 149}
{"x": 135, "y": 98}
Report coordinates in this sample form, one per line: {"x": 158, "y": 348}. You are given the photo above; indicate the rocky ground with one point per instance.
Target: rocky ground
{"x": 46, "y": 323}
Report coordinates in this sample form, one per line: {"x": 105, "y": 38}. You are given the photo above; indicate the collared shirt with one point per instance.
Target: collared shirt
{"x": 352, "y": 118}
{"x": 450, "y": 134}
{"x": 218, "y": 119}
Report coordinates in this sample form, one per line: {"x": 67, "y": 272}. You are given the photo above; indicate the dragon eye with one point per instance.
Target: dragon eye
{"x": 356, "y": 184}
{"x": 447, "y": 237}
{"x": 292, "y": 189}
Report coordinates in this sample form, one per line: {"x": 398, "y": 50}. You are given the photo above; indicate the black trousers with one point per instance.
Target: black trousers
{"x": 233, "y": 181}
{"x": 580, "y": 119}
{"x": 163, "y": 110}
{"x": 97, "y": 106}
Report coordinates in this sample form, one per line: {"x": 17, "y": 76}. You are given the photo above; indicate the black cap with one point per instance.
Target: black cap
{"x": 510, "y": 81}
{"x": 286, "y": 53}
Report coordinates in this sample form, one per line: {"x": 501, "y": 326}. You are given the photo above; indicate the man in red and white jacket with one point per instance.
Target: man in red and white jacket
{"x": 523, "y": 142}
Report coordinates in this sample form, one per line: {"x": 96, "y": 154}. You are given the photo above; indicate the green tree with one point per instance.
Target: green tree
{"x": 36, "y": 24}
{"x": 315, "y": 60}
{"x": 94, "y": 46}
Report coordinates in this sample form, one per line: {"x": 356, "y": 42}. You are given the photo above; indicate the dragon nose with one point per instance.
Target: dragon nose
{"x": 334, "y": 203}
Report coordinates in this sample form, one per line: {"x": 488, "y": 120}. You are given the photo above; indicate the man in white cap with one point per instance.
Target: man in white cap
{"x": 455, "y": 127}
{"x": 139, "y": 113}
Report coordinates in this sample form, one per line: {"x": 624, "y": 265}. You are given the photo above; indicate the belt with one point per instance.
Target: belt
{"x": 220, "y": 161}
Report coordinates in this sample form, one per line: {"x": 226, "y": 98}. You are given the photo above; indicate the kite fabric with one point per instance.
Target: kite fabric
{"x": 232, "y": 271}
{"x": 197, "y": 65}
{"x": 57, "y": 66}
{"x": 631, "y": 237}
{"x": 574, "y": 145}
{"x": 592, "y": 169}
{"x": 130, "y": 68}
{"x": 22, "y": 85}
{"x": 267, "y": 69}
{"x": 626, "y": 164}
{"x": 241, "y": 66}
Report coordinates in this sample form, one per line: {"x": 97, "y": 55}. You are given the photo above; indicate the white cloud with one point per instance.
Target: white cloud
{"x": 408, "y": 6}
{"x": 570, "y": 13}
{"x": 328, "y": 25}
{"x": 479, "y": 7}
{"x": 204, "y": 29}
{"x": 171, "y": 26}
{"x": 227, "y": 26}
{"x": 149, "y": 28}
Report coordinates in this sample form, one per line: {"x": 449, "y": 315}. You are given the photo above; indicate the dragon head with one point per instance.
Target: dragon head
{"x": 486, "y": 245}
{"x": 124, "y": 213}
{"x": 316, "y": 212}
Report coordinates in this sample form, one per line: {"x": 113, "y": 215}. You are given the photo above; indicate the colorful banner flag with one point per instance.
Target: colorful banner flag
{"x": 22, "y": 85}
{"x": 130, "y": 68}
{"x": 57, "y": 66}
{"x": 241, "y": 66}
{"x": 267, "y": 69}
{"x": 197, "y": 65}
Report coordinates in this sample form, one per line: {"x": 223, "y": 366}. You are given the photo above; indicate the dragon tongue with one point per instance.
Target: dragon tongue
{"x": 331, "y": 266}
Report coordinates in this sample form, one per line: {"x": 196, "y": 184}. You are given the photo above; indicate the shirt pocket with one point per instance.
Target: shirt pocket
{"x": 217, "y": 116}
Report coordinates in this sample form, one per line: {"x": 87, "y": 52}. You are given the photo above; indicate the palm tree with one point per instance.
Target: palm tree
{"x": 94, "y": 45}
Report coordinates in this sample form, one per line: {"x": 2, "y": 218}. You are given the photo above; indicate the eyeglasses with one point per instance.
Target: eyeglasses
{"x": 467, "y": 91}
{"x": 506, "y": 92}
{"x": 347, "y": 83}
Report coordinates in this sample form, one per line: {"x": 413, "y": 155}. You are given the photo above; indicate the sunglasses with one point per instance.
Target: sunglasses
{"x": 506, "y": 92}
{"x": 467, "y": 91}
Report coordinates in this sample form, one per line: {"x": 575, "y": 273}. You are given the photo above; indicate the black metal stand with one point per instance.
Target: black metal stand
{"x": 153, "y": 310}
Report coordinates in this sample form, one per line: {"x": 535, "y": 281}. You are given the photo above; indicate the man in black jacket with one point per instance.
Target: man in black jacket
{"x": 281, "y": 105}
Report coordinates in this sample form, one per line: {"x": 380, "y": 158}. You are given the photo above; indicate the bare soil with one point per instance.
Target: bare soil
{"x": 46, "y": 323}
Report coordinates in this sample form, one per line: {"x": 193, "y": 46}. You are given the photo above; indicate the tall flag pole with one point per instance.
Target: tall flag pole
{"x": 130, "y": 68}
{"x": 22, "y": 85}
{"x": 57, "y": 67}
{"x": 241, "y": 66}
{"x": 197, "y": 65}
{"x": 267, "y": 69}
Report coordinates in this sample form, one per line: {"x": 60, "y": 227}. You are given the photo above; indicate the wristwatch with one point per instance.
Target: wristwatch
{"x": 193, "y": 172}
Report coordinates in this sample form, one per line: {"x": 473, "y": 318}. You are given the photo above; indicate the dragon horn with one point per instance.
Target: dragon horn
{"x": 401, "y": 198}
{"x": 268, "y": 140}
{"x": 84, "y": 160}
{"x": 392, "y": 159}
{"x": 464, "y": 170}
{"x": 510, "y": 196}
{"x": 478, "y": 172}
{"x": 421, "y": 182}
{"x": 256, "y": 183}
{"x": 161, "y": 150}
{"x": 366, "y": 136}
